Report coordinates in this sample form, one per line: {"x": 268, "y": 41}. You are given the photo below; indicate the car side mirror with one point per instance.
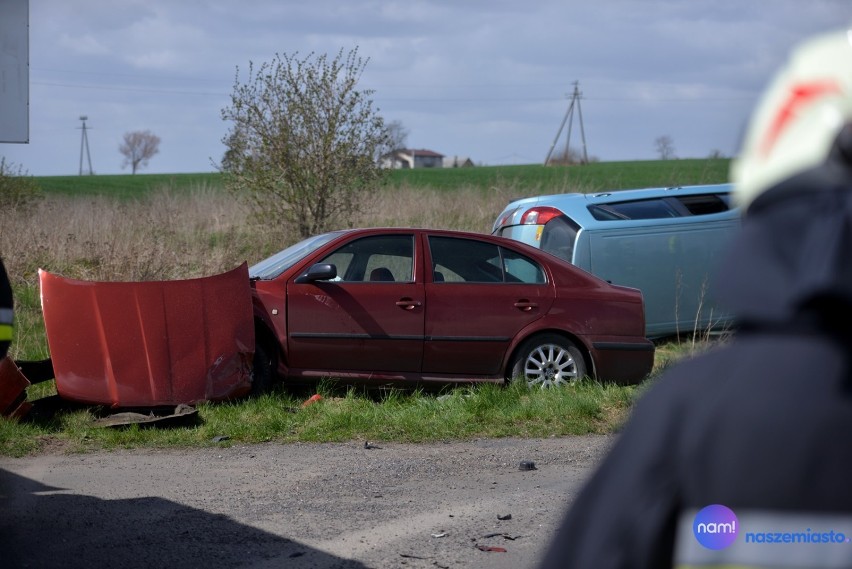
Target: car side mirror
{"x": 318, "y": 272}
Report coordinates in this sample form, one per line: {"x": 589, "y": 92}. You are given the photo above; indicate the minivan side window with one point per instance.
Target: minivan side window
{"x": 705, "y": 204}
{"x": 659, "y": 208}
{"x": 558, "y": 237}
{"x": 639, "y": 209}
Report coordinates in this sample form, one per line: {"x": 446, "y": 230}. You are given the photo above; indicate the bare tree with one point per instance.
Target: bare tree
{"x": 305, "y": 140}
{"x": 665, "y": 147}
{"x": 138, "y": 148}
{"x": 398, "y": 135}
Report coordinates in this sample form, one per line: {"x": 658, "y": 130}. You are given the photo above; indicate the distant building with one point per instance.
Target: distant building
{"x": 457, "y": 162}
{"x": 410, "y": 158}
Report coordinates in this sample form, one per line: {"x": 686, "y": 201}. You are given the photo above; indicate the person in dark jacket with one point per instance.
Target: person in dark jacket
{"x": 6, "y": 314}
{"x": 740, "y": 457}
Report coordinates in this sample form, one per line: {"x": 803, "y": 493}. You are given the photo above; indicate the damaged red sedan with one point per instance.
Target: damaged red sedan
{"x": 416, "y": 305}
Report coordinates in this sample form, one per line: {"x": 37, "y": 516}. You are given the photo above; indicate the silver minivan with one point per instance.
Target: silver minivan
{"x": 666, "y": 242}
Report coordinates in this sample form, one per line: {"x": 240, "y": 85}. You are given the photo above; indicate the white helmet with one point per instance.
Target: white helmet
{"x": 799, "y": 117}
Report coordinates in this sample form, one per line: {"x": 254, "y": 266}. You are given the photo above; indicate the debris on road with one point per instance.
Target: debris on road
{"x": 182, "y": 414}
{"x": 491, "y": 548}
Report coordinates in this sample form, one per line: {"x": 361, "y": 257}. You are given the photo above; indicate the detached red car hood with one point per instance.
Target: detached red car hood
{"x": 143, "y": 344}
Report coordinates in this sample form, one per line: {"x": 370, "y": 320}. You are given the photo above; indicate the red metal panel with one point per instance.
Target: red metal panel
{"x": 128, "y": 344}
{"x": 13, "y": 390}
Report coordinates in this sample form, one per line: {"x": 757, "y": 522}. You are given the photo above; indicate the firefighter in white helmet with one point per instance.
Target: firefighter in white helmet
{"x": 739, "y": 457}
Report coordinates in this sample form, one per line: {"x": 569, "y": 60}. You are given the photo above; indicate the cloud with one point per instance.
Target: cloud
{"x": 485, "y": 78}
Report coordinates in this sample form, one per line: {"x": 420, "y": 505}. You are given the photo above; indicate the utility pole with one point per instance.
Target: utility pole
{"x": 84, "y": 144}
{"x": 569, "y": 118}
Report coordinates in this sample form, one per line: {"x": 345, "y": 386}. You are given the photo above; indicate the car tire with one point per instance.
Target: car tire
{"x": 548, "y": 360}
{"x": 264, "y": 372}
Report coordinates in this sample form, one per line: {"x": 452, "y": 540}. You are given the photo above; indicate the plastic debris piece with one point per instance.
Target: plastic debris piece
{"x": 442, "y": 534}
{"x": 491, "y": 548}
{"x": 312, "y": 399}
{"x": 504, "y": 517}
{"x": 369, "y": 445}
{"x": 527, "y": 465}
{"x": 182, "y": 415}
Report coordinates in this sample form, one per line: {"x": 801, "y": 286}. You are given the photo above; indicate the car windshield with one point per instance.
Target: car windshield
{"x": 273, "y": 266}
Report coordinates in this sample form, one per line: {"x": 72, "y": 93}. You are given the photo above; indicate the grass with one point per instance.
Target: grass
{"x": 596, "y": 176}
{"x": 127, "y": 186}
{"x": 162, "y": 227}
{"x": 343, "y": 414}
{"x": 522, "y": 179}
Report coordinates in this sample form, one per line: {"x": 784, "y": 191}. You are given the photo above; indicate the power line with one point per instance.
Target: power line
{"x": 84, "y": 144}
{"x": 569, "y": 117}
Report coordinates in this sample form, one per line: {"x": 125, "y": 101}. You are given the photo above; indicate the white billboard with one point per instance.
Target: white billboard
{"x": 14, "y": 71}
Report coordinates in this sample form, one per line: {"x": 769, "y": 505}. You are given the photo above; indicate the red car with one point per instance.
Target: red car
{"x": 417, "y": 305}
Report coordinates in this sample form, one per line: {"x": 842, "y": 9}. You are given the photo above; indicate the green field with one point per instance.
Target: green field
{"x": 595, "y": 176}
{"x": 534, "y": 178}
{"x": 127, "y": 185}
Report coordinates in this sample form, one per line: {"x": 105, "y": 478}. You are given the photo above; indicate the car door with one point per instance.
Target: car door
{"x": 368, "y": 319}
{"x": 481, "y": 296}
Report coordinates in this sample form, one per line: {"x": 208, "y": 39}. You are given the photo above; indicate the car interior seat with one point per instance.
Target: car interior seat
{"x": 381, "y": 274}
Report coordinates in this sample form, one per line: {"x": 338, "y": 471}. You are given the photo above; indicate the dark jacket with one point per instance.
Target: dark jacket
{"x": 761, "y": 424}
{"x": 5, "y": 311}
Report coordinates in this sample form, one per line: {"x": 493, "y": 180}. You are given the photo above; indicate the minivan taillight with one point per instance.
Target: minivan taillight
{"x": 539, "y": 215}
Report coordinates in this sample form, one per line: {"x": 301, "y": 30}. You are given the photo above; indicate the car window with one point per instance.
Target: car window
{"x": 273, "y": 266}
{"x": 705, "y": 204}
{"x": 638, "y": 209}
{"x": 379, "y": 258}
{"x": 521, "y": 269}
{"x": 559, "y": 236}
{"x": 657, "y": 208}
{"x": 469, "y": 261}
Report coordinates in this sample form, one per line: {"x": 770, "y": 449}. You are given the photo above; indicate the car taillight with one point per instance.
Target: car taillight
{"x": 539, "y": 215}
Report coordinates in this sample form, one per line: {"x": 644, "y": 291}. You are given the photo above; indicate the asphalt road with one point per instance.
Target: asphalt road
{"x": 295, "y": 506}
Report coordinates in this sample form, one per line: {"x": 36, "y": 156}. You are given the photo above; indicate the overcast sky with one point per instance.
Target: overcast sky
{"x": 489, "y": 80}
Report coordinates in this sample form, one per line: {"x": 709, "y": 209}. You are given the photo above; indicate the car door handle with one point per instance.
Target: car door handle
{"x": 408, "y": 303}
{"x": 526, "y": 305}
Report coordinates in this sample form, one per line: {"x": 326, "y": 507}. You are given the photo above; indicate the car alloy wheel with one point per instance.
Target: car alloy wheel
{"x": 549, "y": 360}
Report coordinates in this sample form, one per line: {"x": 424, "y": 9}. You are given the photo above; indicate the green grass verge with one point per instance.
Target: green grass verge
{"x": 343, "y": 414}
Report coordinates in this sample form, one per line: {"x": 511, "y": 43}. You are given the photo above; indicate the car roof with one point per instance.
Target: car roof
{"x": 575, "y": 205}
